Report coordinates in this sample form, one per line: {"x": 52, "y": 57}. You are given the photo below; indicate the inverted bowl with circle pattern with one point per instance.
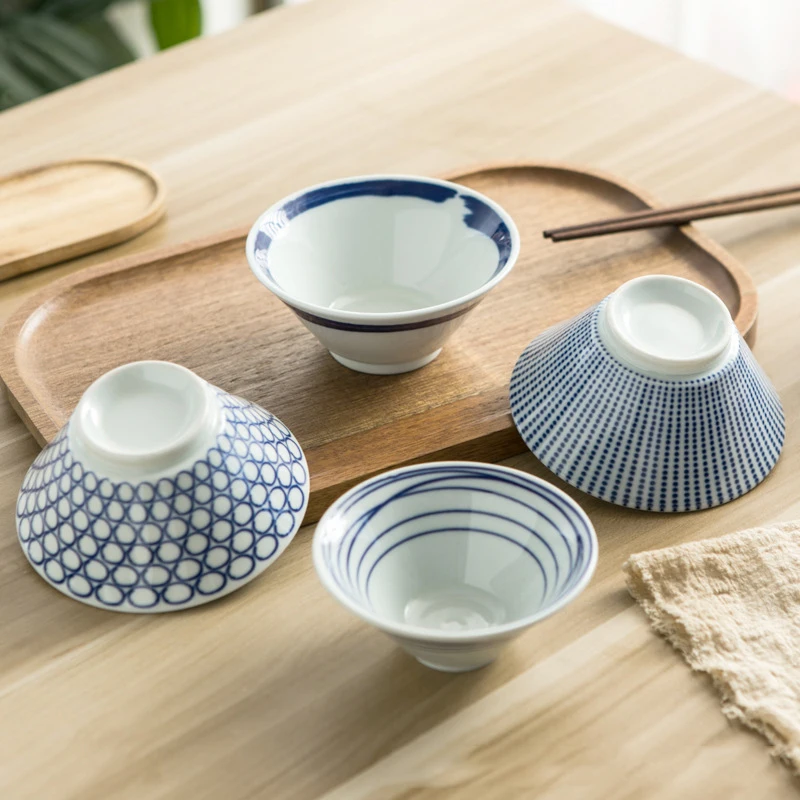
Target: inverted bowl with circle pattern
{"x": 162, "y": 492}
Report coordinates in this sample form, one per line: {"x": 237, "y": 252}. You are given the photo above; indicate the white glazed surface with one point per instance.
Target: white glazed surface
{"x": 667, "y": 326}
{"x": 381, "y": 255}
{"x": 357, "y": 262}
{"x": 386, "y": 353}
{"x": 454, "y": 559}
{"x": 144, "y": 419}
{"x": 161, "y": 493}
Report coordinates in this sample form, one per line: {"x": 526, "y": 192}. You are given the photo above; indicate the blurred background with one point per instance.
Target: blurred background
{"x": 48, "y": 44}
{"x": 757, "y": 40}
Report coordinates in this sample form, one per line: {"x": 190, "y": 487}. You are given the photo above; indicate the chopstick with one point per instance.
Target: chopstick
{"x": 680, "y": 215}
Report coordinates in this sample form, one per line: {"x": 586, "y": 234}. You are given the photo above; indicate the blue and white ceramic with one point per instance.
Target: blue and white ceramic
{"x": 454, "y": 559}
{"x": 161, "y": 492}
{"x": 382, "y": 269}
{"x": 650, "y": 400}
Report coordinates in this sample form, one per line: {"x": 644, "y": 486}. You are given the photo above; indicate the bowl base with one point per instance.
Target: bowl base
{"x": 386, "y": 369}
{"x": 452, "y": 668}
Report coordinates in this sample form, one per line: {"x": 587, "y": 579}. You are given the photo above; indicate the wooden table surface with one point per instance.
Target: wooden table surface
{"x": 276, "y": 692}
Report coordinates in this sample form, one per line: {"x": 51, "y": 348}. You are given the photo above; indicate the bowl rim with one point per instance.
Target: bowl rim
{"x": 383, "y": 317}
{"x": 419, "y": 633}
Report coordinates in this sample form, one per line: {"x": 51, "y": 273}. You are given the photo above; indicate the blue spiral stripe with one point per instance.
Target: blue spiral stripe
{"x": 377, "y": 538}
{"x": 360, "y": 523}
{"x": 573, "y": 532}
{"x": 470, "y": 529}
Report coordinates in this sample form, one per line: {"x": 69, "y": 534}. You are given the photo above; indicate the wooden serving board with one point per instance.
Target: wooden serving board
{"x": 199, "y": 305}
{"x": 69, "y": 208}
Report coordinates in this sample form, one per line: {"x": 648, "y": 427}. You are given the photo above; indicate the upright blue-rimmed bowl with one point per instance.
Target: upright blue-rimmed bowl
{"x": 160, "y": 493}
{"x": 650, "y": 400}
{"x": 454, "y": 559}
{"x": 382, "y": 269}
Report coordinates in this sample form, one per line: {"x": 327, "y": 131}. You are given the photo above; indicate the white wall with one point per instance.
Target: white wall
{"x": 758, "y": 40}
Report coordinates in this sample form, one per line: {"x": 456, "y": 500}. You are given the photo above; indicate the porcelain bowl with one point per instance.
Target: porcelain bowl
{"x": 161, "y": 492}
{"x": 454, "y": 559}
{"x": 650, "y": 400}
{"x": 382, "y": 269}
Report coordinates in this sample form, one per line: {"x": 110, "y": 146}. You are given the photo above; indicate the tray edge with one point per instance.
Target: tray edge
{"x": 503, "y": 443}
{"x": 747, "y": 313}
{"x": 42, "y": 426}
{"x": 107, "y": 238}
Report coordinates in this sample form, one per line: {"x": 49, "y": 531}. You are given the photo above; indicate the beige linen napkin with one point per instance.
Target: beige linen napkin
{"x": 731, "y": 606}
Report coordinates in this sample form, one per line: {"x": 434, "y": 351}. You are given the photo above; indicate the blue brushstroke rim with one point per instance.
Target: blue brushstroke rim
{"x": 484, "y": 215}
{"x": 469, "y": 469}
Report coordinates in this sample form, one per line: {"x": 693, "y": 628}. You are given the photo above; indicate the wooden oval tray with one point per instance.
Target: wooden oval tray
{"x": 69, "y": 208}
{"x": 199, "y": 305}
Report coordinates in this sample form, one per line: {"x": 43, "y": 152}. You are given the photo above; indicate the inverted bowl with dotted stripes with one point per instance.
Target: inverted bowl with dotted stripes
{"x": 640, "y": 441}
{"x": 453, "y": 559}
{"x": 173, "y": 543}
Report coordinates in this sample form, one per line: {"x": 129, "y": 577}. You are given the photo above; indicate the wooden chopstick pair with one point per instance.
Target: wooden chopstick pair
{"x": 680, "y": 215}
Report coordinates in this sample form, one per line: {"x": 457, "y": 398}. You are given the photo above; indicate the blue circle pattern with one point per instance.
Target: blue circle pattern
{"x": 173, "y": 542}
{"x": 638, "y": 441}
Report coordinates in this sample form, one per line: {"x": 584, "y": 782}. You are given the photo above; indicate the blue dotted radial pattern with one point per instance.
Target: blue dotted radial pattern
{"x": 638, "y": 441}
{"x": 171, "y": 543}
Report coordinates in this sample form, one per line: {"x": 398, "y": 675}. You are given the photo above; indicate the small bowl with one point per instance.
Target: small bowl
{"x": 650, "y": 400}
{"x": 454, "y": 559}
{"x": 161, "y": 492}
{"x": 383, "y": 268}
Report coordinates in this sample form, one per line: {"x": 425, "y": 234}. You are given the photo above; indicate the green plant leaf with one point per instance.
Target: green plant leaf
{"x": 77, "y": 53}
{"x": 175, "y": 21}
{"x": 40, "y": 53}
{"x": 73, "y": 10}
{"x": 47, "y": 73}
{"x": 103, "y": 32}
{"x": 9, "y": 8}
{"x": 15, "y": 86}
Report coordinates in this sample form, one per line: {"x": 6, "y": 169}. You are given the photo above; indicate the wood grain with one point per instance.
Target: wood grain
{"x": 275, "y": 692}
{"x": 198, "y": 305}
{"x": 59, "y": 211}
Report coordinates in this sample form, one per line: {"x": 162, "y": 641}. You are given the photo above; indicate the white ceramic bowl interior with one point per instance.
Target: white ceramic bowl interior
{"x": 454, "y": 558}
{"x": 387, "y": 255}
